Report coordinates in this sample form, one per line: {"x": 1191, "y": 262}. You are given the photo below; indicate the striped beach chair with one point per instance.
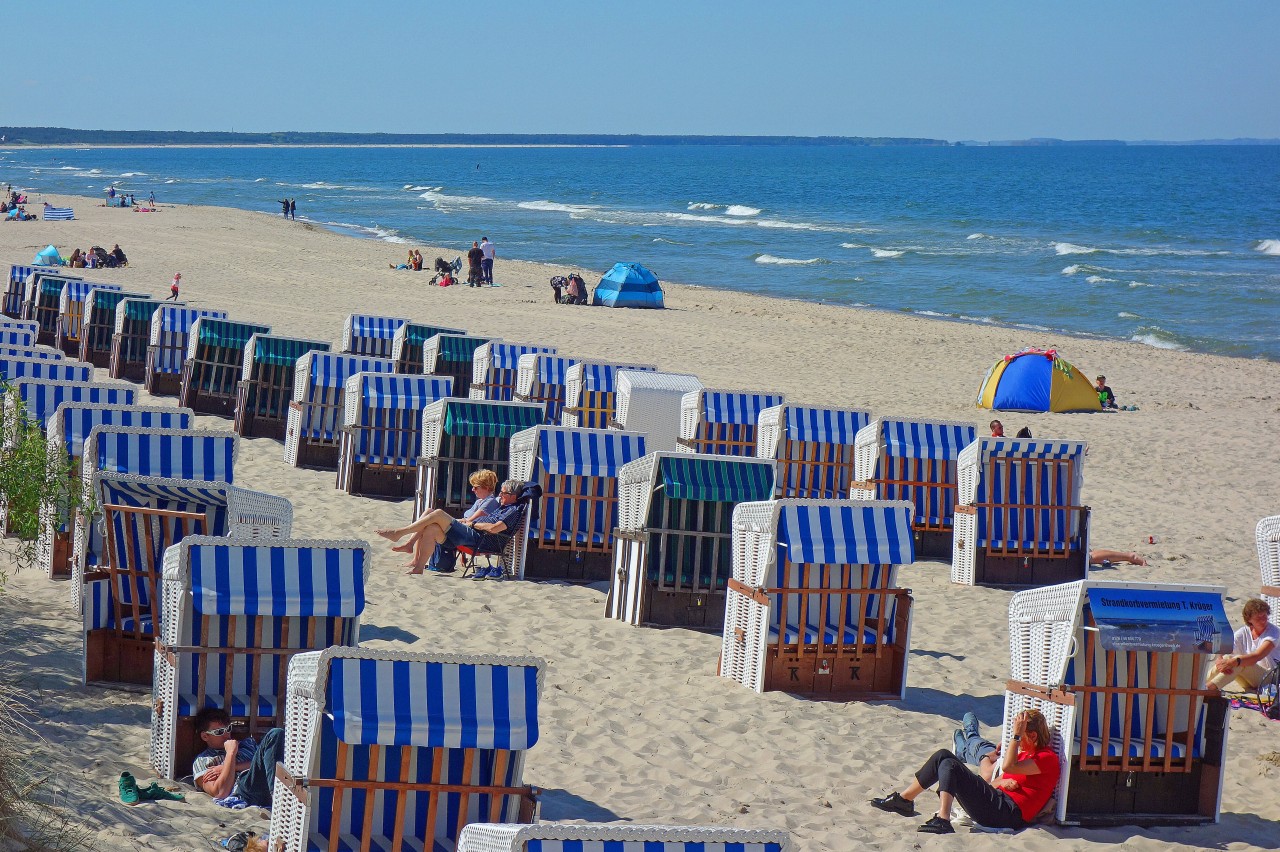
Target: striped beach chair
{"x": 459, "y": 437}
{"x": 29, "y": 326}
{"x": 407, "y": 345}
{"x": 313, "y": 431}
{"x": 813, "y": 448}
{"x": 215, "y": 360}
{"x": 916, "y": 461}
{"x": 722, "y": 422}
{"x": 142, "y": 517}
{"x": 167, "y": 346}
{"x": 673, "y": 558}
{"x": 68, "y": 428}
{"x": 38, "y": 399}
{"x": 266, "y": 383}
{"x": 382, "y": 432}
{"x": 1117, "y": 669}
{"x": 43, "y": 299}
{"x": 543, "y": 378}
{"x": 649, "y": 403}
{"x": 590, "y": 390}
{"x": 43, "y": 353}
{"x": 451, "y": 355}
{"x": 814, "y": 607}
{"x": 71, "y": 313}
{"x": 233, "y": 614}
{"x": 364, "y": 334}
{"x": 1268, "y": 538}
{"x": 399, "y": 751}
{"x": 624, "y": 837}
{"x": 15, "y": 293}
{"x": 130, "y": 337}
{"x": 99, "y": 324}
{"x": 1018, "y": 516}
{"x": 19, "y": 339}
{"x": 12, "y": 369}
{"x": 570, "y": 529}
{"x": 495, "y": 367}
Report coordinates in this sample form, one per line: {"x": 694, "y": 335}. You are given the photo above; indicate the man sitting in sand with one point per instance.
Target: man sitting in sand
{"x": 482, "y": 533}
{"x": 1256, "y": 651}
{"x": 1105, "y": 394}
{"x": 234, "y": 771}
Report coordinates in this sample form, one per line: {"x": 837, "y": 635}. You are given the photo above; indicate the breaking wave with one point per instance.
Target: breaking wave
{"x": 785, "y": 261}
{"x": 741, "y": 210}
{"x": 1271, "y": 247}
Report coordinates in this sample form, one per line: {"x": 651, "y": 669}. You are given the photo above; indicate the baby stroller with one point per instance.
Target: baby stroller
{"x": 577, "y": 290}
{"x": 443, "y": 267}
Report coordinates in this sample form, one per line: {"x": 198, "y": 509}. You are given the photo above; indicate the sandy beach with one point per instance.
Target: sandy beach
{"x": 635, "y": 724}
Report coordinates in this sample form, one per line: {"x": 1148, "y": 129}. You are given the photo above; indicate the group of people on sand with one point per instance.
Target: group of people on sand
{"x": 98, "y": 257}
{"x": 12, "y": 207}
{"x": 479, "y": 265}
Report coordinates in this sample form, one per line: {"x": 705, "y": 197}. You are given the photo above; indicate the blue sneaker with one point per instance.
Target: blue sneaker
{"x": 969, "y": 724}
{"x": 495, "y": 574}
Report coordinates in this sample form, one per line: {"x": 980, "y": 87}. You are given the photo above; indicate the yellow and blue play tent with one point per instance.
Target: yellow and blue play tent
{"x": 1036, "y": 380}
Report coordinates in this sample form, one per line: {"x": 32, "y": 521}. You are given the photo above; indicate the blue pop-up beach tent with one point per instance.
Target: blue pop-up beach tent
{"x": 48, "y": 257}
{"x": 628, "y": 285}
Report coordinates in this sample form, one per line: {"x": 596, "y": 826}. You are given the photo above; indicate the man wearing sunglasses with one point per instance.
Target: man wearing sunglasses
{"x": 235, "y": 769}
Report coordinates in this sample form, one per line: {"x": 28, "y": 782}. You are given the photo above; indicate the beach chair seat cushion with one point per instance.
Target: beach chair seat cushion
{"x": 1115, "y": 747}
{"x": 829, "y": 637}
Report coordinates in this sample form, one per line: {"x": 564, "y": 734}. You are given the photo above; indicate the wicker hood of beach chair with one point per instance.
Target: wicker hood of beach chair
{"x": 382, "y": 431}
{"x": 591, "y": 390}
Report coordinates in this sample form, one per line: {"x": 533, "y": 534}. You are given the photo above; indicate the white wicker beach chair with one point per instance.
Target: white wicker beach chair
{"x": 234, "y": 614}
{"x": 398, "y": 751}
{"x": 452, "y": 355}
{"x": 542, "y": 378}
{"x": 215, "y": 360}
{"x": 407, "y": 345}
{"x": 814, "y": 607}
{"x": 495, "y": 366}
{"x": 627, "y": 837}
{"x": 38, "y": 399}
{"x": 98, "y": 324}
{"x": 15, "y": 293}
{"x": 649, "y": 403}
{"x": 43, "y": 303}
{"x": 130, "y": 336}
{"x": 31, "y": 327}
{"x": 313, "y": 433}
{"x": 813, "y": 448}
{"x": 267, "y": 377}
{"x": 1268, "y": 536}
{"x": 673, "y": 554}
{"x": 167, "y": 345}
{"x": 722, "y": 422}
{"x": 590, "y": 392}
{"x": 364, "y": 334}
{"x": 382, "y": 432}
{"x": 71, "y": 313}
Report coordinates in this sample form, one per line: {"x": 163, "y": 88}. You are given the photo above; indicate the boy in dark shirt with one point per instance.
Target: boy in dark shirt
{"x": 227, "y": 767}
{"x": 1105, "y": 396}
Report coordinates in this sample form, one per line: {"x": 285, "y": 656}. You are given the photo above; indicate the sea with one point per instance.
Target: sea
{"x": 1176, "y": 247}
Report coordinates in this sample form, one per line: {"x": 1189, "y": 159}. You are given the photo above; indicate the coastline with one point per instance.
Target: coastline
{"x": 636, "y": 725}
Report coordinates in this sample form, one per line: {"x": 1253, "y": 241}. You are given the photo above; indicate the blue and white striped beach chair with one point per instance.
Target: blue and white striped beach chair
{"x": 167, "y": 346}
{"x": 234, "y": 614}
{"x": 722, "y": 422}
{"x": 130, "y": 337}
{"x": 142, "y": 517}
{"x": 813, "y": 607}
{"x": 590, "y": 388}
{"x": 43, "y": 299}
{"x": 41, "y": 353}
{"x": 673, "y": 557}
{"x": 98, "y": 324}
{"x": 407, "y": 345}
{"x": 619, "y": 837}
{"x": 813, "y": 448}
{"x": 17, "y": 338}
{"x": 1018, "y": 518}
{"x": 313, "y": 432}
{"x": 15, "y": 293}
{"x": 1122, "y": 688}
{"x": 495, "y": 367}
{"x": 266, "y": 383}
{"x": 31, "y": 326}
{"x": 570, "y": 529}
{"x": 12, "y": 369}
{"x": 543, "y": 378}
{"x": 399, "y": 751}
{"x": 52, "y": 214}
{"x": 215, "y": 360}
{"x": 452, "y": 355}
{"x": 382, "y": 431}
{"x": 364, "y": 334}
{"x": 40, "y": 398}
{"x": 71, "y": 308}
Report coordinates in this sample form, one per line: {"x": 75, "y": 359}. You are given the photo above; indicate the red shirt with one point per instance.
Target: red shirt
{"x": 1033, "y": 791}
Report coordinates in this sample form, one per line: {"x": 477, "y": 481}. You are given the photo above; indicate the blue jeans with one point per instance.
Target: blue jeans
{"x": 486, "y": 270}
{"x": 255, "y": 783}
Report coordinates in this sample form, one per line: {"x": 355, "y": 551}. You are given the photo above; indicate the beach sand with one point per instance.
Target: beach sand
{"x": 635, "y": 724}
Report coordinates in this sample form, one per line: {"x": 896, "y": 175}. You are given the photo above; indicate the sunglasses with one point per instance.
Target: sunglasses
{"x": 218, "y": 732}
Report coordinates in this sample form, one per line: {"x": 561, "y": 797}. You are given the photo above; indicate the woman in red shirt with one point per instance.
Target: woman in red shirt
{"x": 1030, "y": 774}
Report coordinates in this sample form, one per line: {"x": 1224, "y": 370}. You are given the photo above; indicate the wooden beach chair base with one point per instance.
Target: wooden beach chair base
{"x": 129, "y": 371}
{"x": 385, "y": 481}
{"x": 1024, "y": 571}
{"x": 113, "y": 659}
{"x": 698, "y": 610}
{"x": 202, "y": 402}
{"x": 933, "y": 544}
{"x": 250, "y": 424}
{"x": 98, "y": 359}
{"x": 826, "y": 673}
{"x": 572, "y": 565}
{"x": 318, "y": 455}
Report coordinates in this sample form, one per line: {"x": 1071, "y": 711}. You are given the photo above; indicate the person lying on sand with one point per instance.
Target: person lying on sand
{"x": 235, "y": 770}
{"x": 483, "y": 533}
{"x": 1098, "y": 557}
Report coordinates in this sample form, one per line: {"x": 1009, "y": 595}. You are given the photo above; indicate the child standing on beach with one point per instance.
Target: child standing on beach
{"x": 173, "y": 288}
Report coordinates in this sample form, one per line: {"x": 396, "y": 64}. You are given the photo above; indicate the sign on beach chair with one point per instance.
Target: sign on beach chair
{"x": 12, "y": 369}
{"x": 266, "y": 383}
{"x": 215, "y": 360}
{"x": 1019, "y": 519}
{"x": 649, "y": 403}
{"x": 234, "y": 614}
{"x": 813, "y": 448}
{"x": 580, "y": 837}
{"x": 403, "y": 750}
{"x": 916, "y": 461}
{"x": 130, "y": 337}
{"x": 459, "y": 437}
{"x": 722, "y": 422}
{"x": 673, "y": 557}
{"x": 313, "y": 433}
{"x": 364, "y": 334}
{"x": 1268, "y": 537}
{"x": 543, "y": 378}
{"x": 98, "y": 325}
{"x": 495, "y": 367}
{"x": 590, "y": 391}
{"x": 167, "y": 345}
{"x": 71, "y": 313}
{"x": 142, "y": 517}
{"x": 570, "y": 529}
{"x": 813, "y": 607}
{"x": 452, "y": 355}
{"x": 382, "y": 432}
{"x": 1118, "y": 670}
{"x": 407, "y": 345}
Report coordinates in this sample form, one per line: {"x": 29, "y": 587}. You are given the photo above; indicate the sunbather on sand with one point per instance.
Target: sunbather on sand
{"x": 1133, "y": 557}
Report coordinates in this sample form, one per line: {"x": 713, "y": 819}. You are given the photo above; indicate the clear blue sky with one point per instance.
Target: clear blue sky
{"x": 953, "y": 70}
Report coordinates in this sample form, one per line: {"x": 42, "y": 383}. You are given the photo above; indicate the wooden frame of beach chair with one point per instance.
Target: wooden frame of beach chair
{"x": 143, "y": 516}
{"x": 167, "y": 345}
{"x": 813, "y": 448}
{"x": 68, "y": 428}
{"x": 495, "y": 366}
{"x": 215, "y": 361}
{"x": 1268, "y": 538}
{"x": 98, "y": 324}
{"x": 407, "y": 345}
{"x": 1018, "y": 518}
{"x": 541, "y": 377}
{"x": 226, "y": 642}
{"x": 722, "y": 422}
{"x": 579, "y": 837}
{"x": 368, "y": 767}
{"x": 366, "y": 334}
{"x": 72, "y": 304}
{"x": 130, "y": 337}
{"x": 814, "y": 607}
{"x": 673, "y": 550}
{"x": 313, "y": 430}
{"x": 916, "y": 461}
{"x": 382, "y": 432}
{"x": 267, "y": 379}
{"x": 1140, "y": 740}
{"x": 649, "y": 403}
{"x": 590, "y": 392}
{"x": 451, "y": 355}
{"x": 459, "y": 437}
{"x": 570, "y": 529}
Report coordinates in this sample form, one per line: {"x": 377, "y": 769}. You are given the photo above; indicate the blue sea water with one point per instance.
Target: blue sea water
{"x": 1176, "y": 247}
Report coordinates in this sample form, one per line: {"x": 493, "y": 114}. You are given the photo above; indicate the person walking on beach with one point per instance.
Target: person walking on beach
{"x": 284, "y": 207}
{"x": 173, "y": 288}
{"x": 151, "y": 200}
{"x": 293, "y": 209}
{"x": 486, "y": 262}
{"x": 475, "y": 277}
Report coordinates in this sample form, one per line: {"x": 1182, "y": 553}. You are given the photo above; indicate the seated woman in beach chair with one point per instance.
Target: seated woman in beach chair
{"x": 487, "y": 533}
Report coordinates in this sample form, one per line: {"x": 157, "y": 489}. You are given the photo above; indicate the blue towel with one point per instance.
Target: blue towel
{"x": 234, "y": 802}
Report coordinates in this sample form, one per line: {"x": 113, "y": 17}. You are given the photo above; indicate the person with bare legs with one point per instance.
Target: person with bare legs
{"x": 483, "y": 532}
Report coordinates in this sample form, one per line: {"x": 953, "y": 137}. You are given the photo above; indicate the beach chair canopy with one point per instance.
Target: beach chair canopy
{"x": 41, "y": 397}
{"x": 451, "y": 348}
{"x": 73, "y": 421}
{"x": 182, "y": 454}
{"x": 366, "y": 334}
{"x": 1037, "y": 380}
{"x": 416, "y": 334}
{"x": 723, "y": 406}
{"x": 178, "y": 319}
{"x": 560, "y": 451}
{"x": 845, "y": 532}
{"x": 366, "y": 394}
{"x": 817, "y": 425}
{"x": 602, "y": 377}
{"x": 503, "y": 355}
{"x": 12, "y": 369}
{"x": 921, "y": 439}
{"x": 628, "y": 285}
{"x": 478, "y": 418}
{"x": 274, "y": 350}
{"x": 221, "y": 333}
{"x": 331, "y": 370}
{"x": 722, "y": 479}
{"x": 135, "y": 310}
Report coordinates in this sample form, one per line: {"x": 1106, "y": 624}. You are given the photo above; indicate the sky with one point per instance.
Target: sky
{"x": 1135, "y": 69}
